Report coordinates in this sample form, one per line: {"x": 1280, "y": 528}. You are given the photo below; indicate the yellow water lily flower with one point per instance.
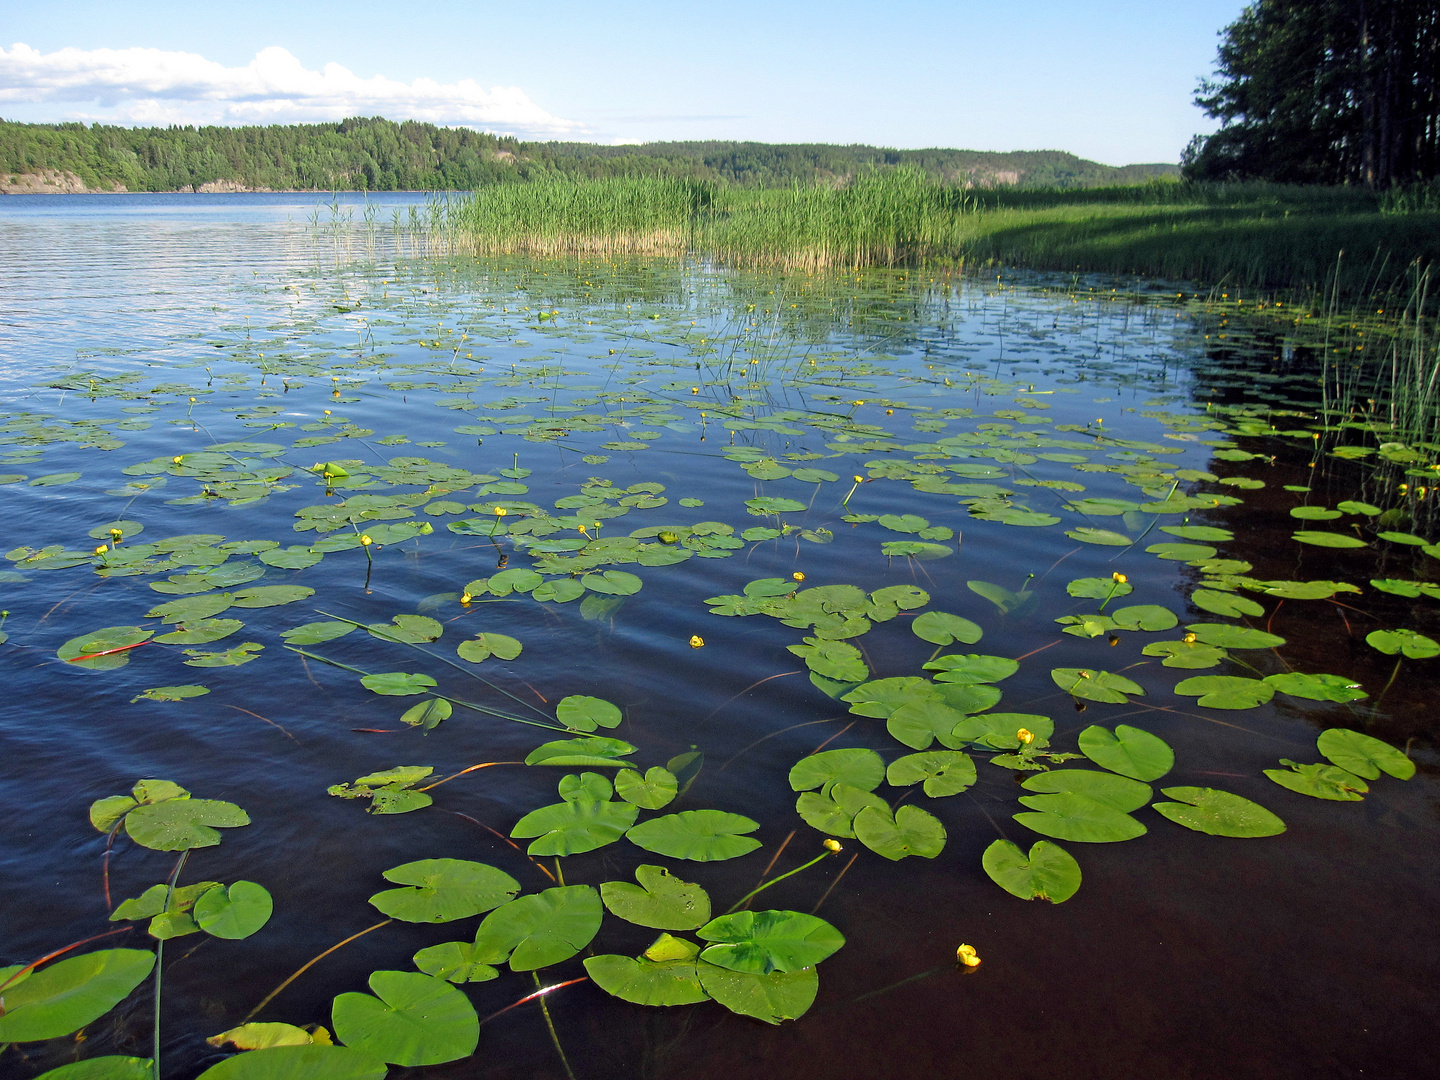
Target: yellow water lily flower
{"x": 1025, "y": 735}
{"x": 798, "y": 575}
{"x": 967, "y": 955}
{"x": 1119, "y": 579}
{"x": 696, "y": 641}
{"x": 832, "y": 845}
{"x": 366, "y": 541}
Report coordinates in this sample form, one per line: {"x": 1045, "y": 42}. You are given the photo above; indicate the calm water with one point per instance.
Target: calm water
{"x": 1182, "y": 955}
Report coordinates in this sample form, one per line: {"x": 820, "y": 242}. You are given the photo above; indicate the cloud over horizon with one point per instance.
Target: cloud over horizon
{"x": 154, "y": 87}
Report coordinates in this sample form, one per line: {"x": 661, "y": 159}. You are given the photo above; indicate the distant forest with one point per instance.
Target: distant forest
{"x": 382, "y": 155}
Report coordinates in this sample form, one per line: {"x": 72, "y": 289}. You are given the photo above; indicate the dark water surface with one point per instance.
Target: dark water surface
{"x": 1182, "y": 955}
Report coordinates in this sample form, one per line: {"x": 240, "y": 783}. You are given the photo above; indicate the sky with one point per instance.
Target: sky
{"x": 1110, "y": 81}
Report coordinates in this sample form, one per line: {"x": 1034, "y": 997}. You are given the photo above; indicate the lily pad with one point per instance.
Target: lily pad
{"x": 863, "y": 769}
{"x": 1364, "y": 755}
{"x": 657, "y": 788}
{"x": 581, "y": 713}
{"x": 1224, "y": 603}
{"x": 942, "y": 628}
{"x": 943, "y": 772}
{"x": 760, "y": 942}
{"x": 661, "y": 900}
{"x": 65, "y": 996}
{"x": 234, "y": 913}
{"x": 972, "y": 669}
{"x": 542, "y": 929}
{"x": 263, "y": 596}
{"x": 1048, "y": 872}
{"x": 1405, "y": 642}
{"x": 443, "y": 890}
{"x": 398, "y": 684}
{"x": 910, "y": 831}
{"x": 313, "y": 1062}
{"x": 698, "y": 835}
{"x": 1225, "y": 636}
{"x": 105, "y": 649}
{"x": 1316, "y": 687}
{"x": 457, "y": 962}
{"x": 1107, "y": 537}
{"x": 413, "y": 1019}
{"x": 170, "y": 693}
{"x": 920, "y": 723}
{"x": 1328, "y": 539}
{"x": 586, "y": 819}
{"x": 1148, "y": 617}
{"x": 487, "y": 645}
{"x": 182, "y": 824}
{"x": 582, "y": 753}
{"x": 1218, "y": 813}
{"x": 1226, "y": 691}
{"x": 1320, "y": 781}
{"x": 773, "y": 998}
{"x": 317, "y": 633}
{"x": 1128, "y": 751}
{"x": 646, "y": 982}
{"x": 1094, "y": 685}
{"x": 1186, "y": 654}
{"x": 1095, "y": 588}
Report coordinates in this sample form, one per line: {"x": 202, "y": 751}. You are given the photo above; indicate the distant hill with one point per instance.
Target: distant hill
{"x": 382, "y": 155}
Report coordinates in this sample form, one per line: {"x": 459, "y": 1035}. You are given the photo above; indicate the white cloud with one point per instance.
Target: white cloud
{"x": 152, "y": 86}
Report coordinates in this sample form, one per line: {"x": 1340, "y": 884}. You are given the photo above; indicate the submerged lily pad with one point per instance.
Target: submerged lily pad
{"x": 1048, "y": 872}
{"x": 1218, "y": 813}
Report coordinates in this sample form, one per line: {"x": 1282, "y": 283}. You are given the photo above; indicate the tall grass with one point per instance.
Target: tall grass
{"x": 1261, "y": 236}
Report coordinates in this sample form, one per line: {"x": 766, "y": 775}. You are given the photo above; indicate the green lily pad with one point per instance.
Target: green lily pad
{"x": 612, "y": 583}
{"x": 1129, "y": 751}
{"x": 838, "y": 660}
{"x": 234, "y": 913}
{"x": 773, "y": 998}
{"x": 1094, "y": 685}
{"x": 428, "y": 714}
{"x": 104, "y": 649}
{"x": 1186, "y": 654}
{"x": 1218, "y": 813}
{"x": 699, "y": 835}
{"x": 942, "y": 628}
{"x": 485, "y": 646}
{"x": 1106, "y": 537}
{"x": 943, "y": 772}
{"x": 760, "y": 942}
{"x": 998, "y": 595}
{"x": 972, "y": 669}
{"x": 201, "y": 633}
{"x": 771, "y": 505}
{"x": 65, "y": 996}
{"x": 317, "y": 633}
{"x": 881, "y": 697}
{"x": 646, "y": 982}
{"x": 263, "y": 596}
{"x": 661, "y": 900}
{"x": 915, "y": 549}
{"x": 582, "y": 753}
{"x": 1182, "y": 552}
{"x": 1316, "y": 687}
{"x": 1328, "y": 539}
{"x": 1095, "y": 588}
{"x": 413, "y": 1019}
{"x": 1363, "y": 755}
{"x": 232, "y": 657}
{"x": 833, "y": 810}
{"x": 457, "y": 962}
{"x": 657, "y": 788}
{"x": 581, "y": 713}
{"x": 408, "y": 630}
{"x": 295, "y": 557}
{"x": 1405, "y": 642}
{"x": 1048, "y": 872}
{"x": 182, "y": 824}
{"x": 170, "y": 693}
{"x": 110, "y": 1067}
{"x": 1225, "y": 636}
{"x": 1314, "y": 513}
{"x": 999, "y": 731}
{"x": 1078, "y": 818}
{"x": 1148, "y": 617}
{"x": 863, "y": 769}
{"x": 1226, "y": 691}
{"x": 920, "y": 723}
{"x": 542, "y": 929}
{"x": 1198, "y": 532}
{"x": 586, "y": 819}
{"x": 1223, "y": 603}
{"x": 314, "y": 1062}
{"x": 1320, "y": 781}
{"x": 443, "y": 890}
{"x": 398, "y": 684}
{"x": 910, "y": 831}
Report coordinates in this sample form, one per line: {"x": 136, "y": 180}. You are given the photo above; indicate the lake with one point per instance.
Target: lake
{"x": 531, "y": 502}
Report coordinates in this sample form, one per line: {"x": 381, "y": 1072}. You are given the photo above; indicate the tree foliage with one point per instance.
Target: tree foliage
{"x": 1325, "y": 91}
{"x": 374, "y": 154}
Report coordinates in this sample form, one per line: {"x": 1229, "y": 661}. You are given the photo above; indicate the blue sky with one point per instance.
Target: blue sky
{"x": 1109, "y": 81}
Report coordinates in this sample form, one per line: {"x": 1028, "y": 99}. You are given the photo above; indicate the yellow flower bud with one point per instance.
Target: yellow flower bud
{"x": 859, "y": 479}
{"x": 116, "y": 533}
{"x": 465, "y": 598}
{"x": 696, "y": 641}
{"x": 798, "y": 576}
{"x": 366, "y": 541}
{"x": 327, "y": 412}
{"x": 177, "y": 460}
{"x": 1025, "y": 735}
{"x": 694, "y": 389}
{"x": 500, "y": 511}
{"x": 1188, "y": 639}
{"x": 1119, "y": 579}
{"x": 101, "y": 549}
{"x": 967, "y": 956}
{"x": 832, "y": 844}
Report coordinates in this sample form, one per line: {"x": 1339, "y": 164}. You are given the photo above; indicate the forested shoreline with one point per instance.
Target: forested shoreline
{"x": 374, "y": 154}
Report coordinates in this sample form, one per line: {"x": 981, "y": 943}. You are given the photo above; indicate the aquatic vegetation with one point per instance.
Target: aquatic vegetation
{"x": 908, "y": 599}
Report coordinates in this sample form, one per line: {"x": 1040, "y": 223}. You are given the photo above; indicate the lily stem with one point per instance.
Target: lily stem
{"x": 776, "y": 881}
{"x": 554, "y": 1035}
{"x": 159, "y": 965}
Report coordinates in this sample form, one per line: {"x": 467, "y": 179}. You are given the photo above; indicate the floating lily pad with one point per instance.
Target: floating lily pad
{"x": 180, "y": 824}
{"x": 652, "y": 791}
{"x": 234, "y": 913}
{"x": 1328, "y": 539}
{"x": 586, "y": 819}
{"x": 661, "y": 900}
{"x": 1405, "y": 642}
{"x": 863, "y": 769}
{"x": 1320, "y": 781}
{"x": 443, "y": 890}
{"x": 773, "y": 998}
{"x": 943, "y": 772}
{"x": 1316, "y": 687}
{"x": 1095, "y": 588}
{"x": 171, "y": 693}
{"x": 65, "y": 996}
{"x": 972, "y": 669}
{"x": 1218, "y": 813}
{"x": 1094, "y": 685}
{"x": 487, "y": 645}
{"x": 699, "y": 835}
{"x": 760, "y": 942}
{"x": 1128, "y": 751}
{"x": 999, "y": 731}
{"x": 1107, "y": 537}
{"x": 412, "y": 1020}
{"x": 1048, "y": 872}
{"x": 1186, "y": 654}
{"x": 582, "y": 753}
{"x": 313, "y": 1062}
{"x": 317, "y": 633}
{"x": 398, "y": 684}
{"x": 105, "y": 649}
{"x": 910, "y": 831}
{"x": 646, "y": 982}
{"x": 942, "y": 628}
{"x": 1364, "y": 755}
{"x": 457, "y": 962}
{"x": 1224, "y": 603}
{"x": 1226, "y": 691}
{"x": 541, "y": 929}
